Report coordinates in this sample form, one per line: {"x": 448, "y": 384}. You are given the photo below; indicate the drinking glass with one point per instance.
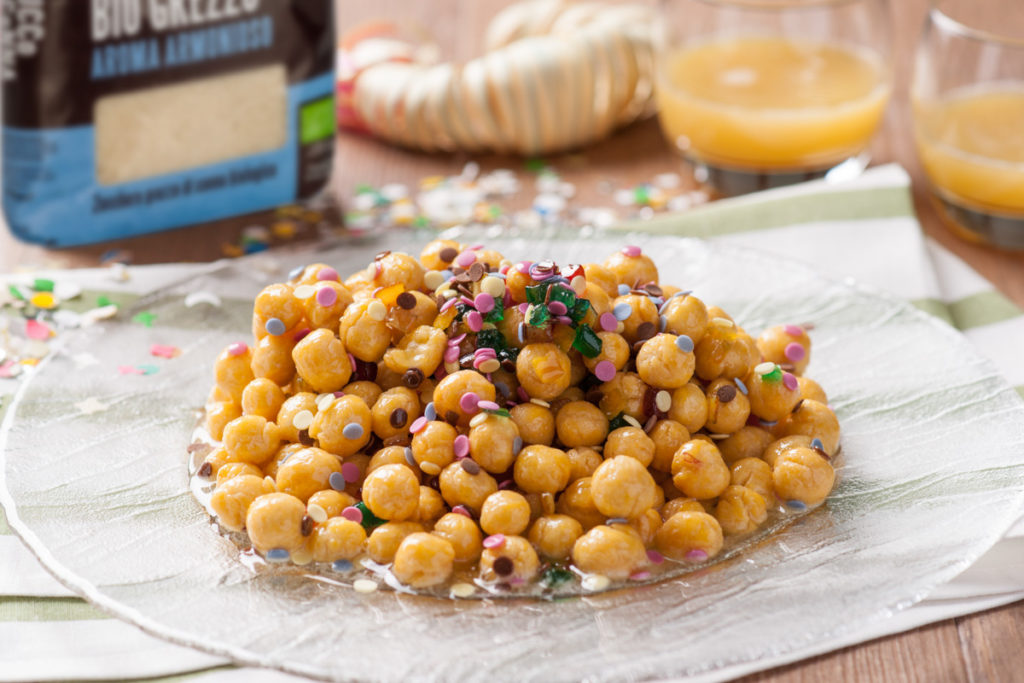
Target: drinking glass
{"x": 968, "y": 104}
{"x": 762, "y": 93}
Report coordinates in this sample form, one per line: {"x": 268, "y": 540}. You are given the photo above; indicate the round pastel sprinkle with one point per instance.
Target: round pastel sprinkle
{"x": 640, "y": 576}
{"x": 337, "y": 481}
{"x": 795, "y": 352}
{"x": 616, "y": 520}
{"x": 433, "y": 279}
{"x": 684, "y": 343}
{"x": 377, "y": 310}
{"x": 605, "y": 370}
{"x": 303, "y": 419}
{"x": 595, "y": 582}
{"x": 430, "y": 412}
{"x": 327, "y": 273}
{"x": 316, "y": 513}
{"x": 462, "y": 510}
{"x": 474, "y": 321}
{"x": 494, "y": 286}
{"x": 462, "y": 590}
{"x": 622, "y": 311}
{"x": 409, "y": 459}
{"x": 277, "y": 555}
{"x": 418, "y": 424}
{"x": 461, "y": 446}
{"x": 631, "y": 250}
{"x": 275, "y": 327}
{"x": 608, "y": 322}
{"x": 484, "y": 302}
{"x": 578, "y": 284}
{"x": 796, "y": 504}
{"x": 489, "y": 365}
{"x": 696, "y": 555}
{"x": 494, "y": 541}
{"x": 623, "y": 290}
{"x": 326, "y": 296}
{"x": 341, "y": 566}
{"x": 451, "y": 354}
{"x": 237, "y": 349}
{"x": 465, "y": 259}
{"x": 353, "y": 514}
{"x": 790, "y": 381}
{"x": 488, "y": 405}
{"x": 517, "y": 444}
{"x": 663, "y": 401}
{"x": 305, "y": 291}
{"x": 557, "y": 308}
{"x": 655, "y": 557}
{"x": 353, "y": 430}
{"x": 793, "y": 330}
{"x": 742, "y": 387}
{"x": 365, "y": 586}
{"x": 350, "y": 471}
{"x": 817, "y": 443}
{"x": 764, "y": 368}
{"x": 469, "y": 402}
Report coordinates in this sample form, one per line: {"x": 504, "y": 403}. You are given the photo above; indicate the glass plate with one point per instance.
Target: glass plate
{"x": 931, "y": 476}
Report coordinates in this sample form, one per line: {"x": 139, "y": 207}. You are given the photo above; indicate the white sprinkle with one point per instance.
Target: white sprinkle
{"x": 303, "y": 419}
{"x": 462, "y": 590}
{"x": 765, "y": 368}
{"x": 633, "y": 421}
{"x": 624, "y": 197}
{"x": 377, "y": 310}
{"x": 324, "y": 401}
{"x": 430, "y": 468}
{"x": 316, "y": 513}
{"x": 595, "y": 582}
{"x": 364, "y": 586}
{"x": 540, "y": 402}
{"x": 304, "y": 291}
{"x": 722, "y": 322}
{"x": 66, "y": 290}
{"x": 394, "y": 191}
{"x": 196, "y": 298}
{"x": 494, "y": 286}
{"x": 479, "y": 419}
{"x": 433, "y": 279}
{"x": 663, "y": 401}
{"x": 719, "y": 437}
{"x": 365, "y": 201}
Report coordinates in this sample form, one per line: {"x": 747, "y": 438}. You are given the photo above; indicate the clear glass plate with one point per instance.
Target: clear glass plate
{"x": 931, "y": 476}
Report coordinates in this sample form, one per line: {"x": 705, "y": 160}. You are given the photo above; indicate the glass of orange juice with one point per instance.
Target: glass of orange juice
{"x": 762, "y": 93}
{"x": 968, "y": 103}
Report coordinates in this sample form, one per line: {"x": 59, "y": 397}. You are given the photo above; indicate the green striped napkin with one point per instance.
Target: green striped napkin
{"x": 864, "y": 229}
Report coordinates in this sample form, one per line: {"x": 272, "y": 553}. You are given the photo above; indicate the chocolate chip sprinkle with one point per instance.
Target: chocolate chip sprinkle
{"x": 448, "y": 254}
{"x": 406, "y": 301}
{"x": 503, "y": 566}
{"x": 726, "y": 393}
{"x": 653, "y": 289}
{"x": 305, "y": 439}
{"x": 476, "y": 272}
{"x": 798, "y": 406}
{"x": 822, "y": 453}
{"x": 307, "y": 525}
{"x": 205, "y": 470}
{"x": 398, "y": 418}
{"x": 470, "y": 466}
{"x": 451, "y": 417}
{"x": 412, "y": 378}
{"x": 646, "y": 330}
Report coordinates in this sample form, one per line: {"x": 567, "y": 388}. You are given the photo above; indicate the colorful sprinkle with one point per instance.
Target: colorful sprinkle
{"x": 632, "y": 251}
{"x": 793, "y": 330}
{"x": 327, "y": 274}
{"x": 605, "y": 370}
{"x": 764, "y": 368}
{"x": 578, "y": 285}
{"x": 488, "y": 405}
{"x": 352, "y": 431}
{"x": 484, "y": 302}
{"x": 622, "y": 311}
{"x": 663, "y": 401}
{"x": 608, "y": 322}
{"x": 684, "y": 343}
{"x": 350, "y": 471}
{"x": 595, "y": 582}
{"x": 795, "y": 352}
{"x": 326, "y": 296}
{"x": 696, "y": 555}
{"x": 640, "y": 576}
{"x": 342, "y": 566}
{"x": 469, "y": 402}
{"x": 465, "y": 259}
{"x": 517, "y": 445}
{"x": 474, "y": 321}
{"x": 461, "y": 446}
{"x": 817, "y": 443}
{"x": 303, "y": 419}
{"x": 462, "y": 510}
{"x": 44, "y": 300}
{"x": 164, "y": 351}
{"x": 353, "y": 514}
{"x": 365, "y": 586}
{"x": 196, "y": 298}
{"x": 317, "y": 513}
{"x": 790, "y": 381}
{"x": 377, "y": 310}
{"x": 558, "y": 308}
{"x": 462, "y": 590}
{"x": 796, "y": 504}
{"x": 337, "y": 481}
{"x": 655, "y": 557}
{"x": 724, "y": 323}
{"x": 145, "y": 318}
{"x": 494, "y": 541}
{"x": 418, "y": 424}
{"x": 275, "y": 327}
{"x": 623, "y": 290}
{"x": 278, "y": 555}
{"x": 303, "y": 292}
{"x": 430, "y": 411}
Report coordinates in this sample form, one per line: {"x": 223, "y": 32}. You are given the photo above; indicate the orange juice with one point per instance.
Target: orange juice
{"x": 972, "y": 146}
{"x": 771, "y": 103}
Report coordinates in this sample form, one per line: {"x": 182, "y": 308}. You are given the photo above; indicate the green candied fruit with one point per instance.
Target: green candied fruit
{"x": 492, "y": 339}
{"x": 587, "y": 342}
{"x": 496, "y": 315}
{"x": 370, "y": 520}
{"x": 535, "y": 293}
{"x": 563, "y": 295}
{"x": 773, "y": 376}
{"x": 538, "y": 316}
{"x": 500, "y": 412}
{"x": 618, "y": 422}
{"x": 579, "y": 310}
{"x": 556, "y": 576}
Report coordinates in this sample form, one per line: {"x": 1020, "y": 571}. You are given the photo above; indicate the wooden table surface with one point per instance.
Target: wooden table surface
{"x": 981, "y": 647}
